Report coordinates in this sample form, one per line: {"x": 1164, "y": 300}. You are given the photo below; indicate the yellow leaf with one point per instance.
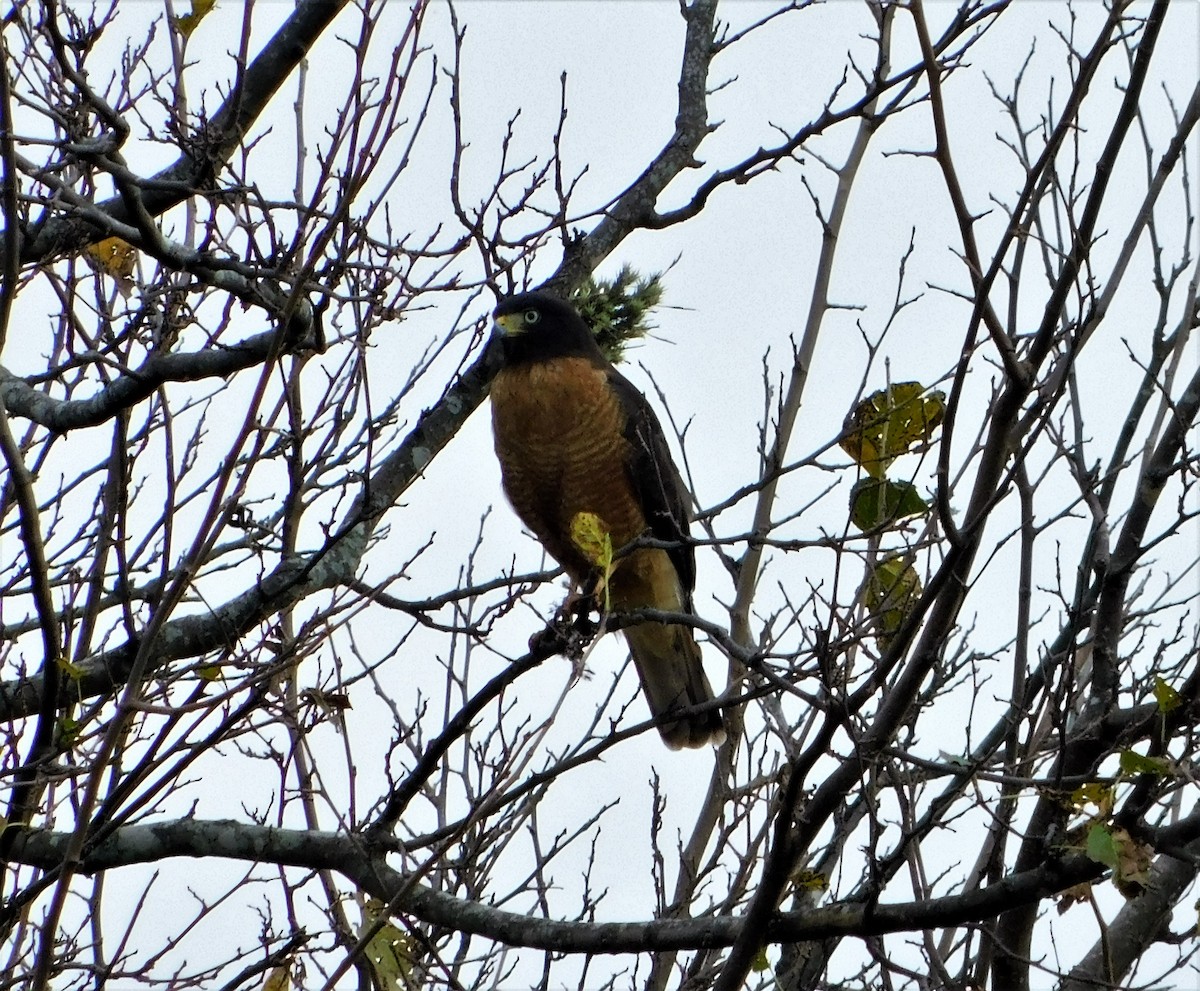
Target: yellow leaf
{"x": 329, "y": 703}
{"x": 1094, "y": 793}
{"x": 70, "y": 669}
{"x": 591, "y": 537}
{"x": 1074, "y": 895}
{"x": 891, "y": 422}
{"x": 280, "y": 979}
{"x": 188, "y": 23}
{"x": 809, "y": 880}
{"x": 1131, "y": 873}
{"x": 1166, "y": 696}
{"x": 890, "y": 592}
{"x": 113, "y": 256}
{"x": 391, "y": 952}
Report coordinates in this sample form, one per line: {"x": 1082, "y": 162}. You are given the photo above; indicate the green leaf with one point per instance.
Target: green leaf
{"x": 876, "y": 502}
{"x": 1167, "y": 698}
{"x": 1134, "y": 763}
{"x": 68, "y": 731}
{"x": 1101, "y": 847}
{"x": 891, "y": 422}
{"x": 187, "y": 23}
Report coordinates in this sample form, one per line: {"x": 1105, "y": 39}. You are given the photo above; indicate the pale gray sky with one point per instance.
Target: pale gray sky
{"x": 737, "y": 289}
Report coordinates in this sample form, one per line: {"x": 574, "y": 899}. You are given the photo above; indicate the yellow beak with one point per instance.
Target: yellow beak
{"x": 509, "y": 324}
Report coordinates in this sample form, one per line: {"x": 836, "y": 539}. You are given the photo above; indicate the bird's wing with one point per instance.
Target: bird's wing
{"x": 655, "y": 479}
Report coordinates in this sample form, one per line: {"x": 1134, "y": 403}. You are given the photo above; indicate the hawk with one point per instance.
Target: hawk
{"x": 574, "y": 436}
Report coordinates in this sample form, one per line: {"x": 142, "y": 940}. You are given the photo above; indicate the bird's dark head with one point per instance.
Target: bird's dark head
{"x": 535, "y": 326}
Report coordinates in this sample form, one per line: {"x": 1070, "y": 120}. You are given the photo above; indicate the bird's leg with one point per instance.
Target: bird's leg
{"x": 573, "y": 627}
{"x": 578, "y": 608}
{"x": 580, "y": 603}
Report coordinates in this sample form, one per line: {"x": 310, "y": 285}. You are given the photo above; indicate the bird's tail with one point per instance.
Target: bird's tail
{"x": 673, "y": 680}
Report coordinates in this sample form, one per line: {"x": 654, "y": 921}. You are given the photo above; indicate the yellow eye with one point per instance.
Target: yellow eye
{"x": 531, "y": 317}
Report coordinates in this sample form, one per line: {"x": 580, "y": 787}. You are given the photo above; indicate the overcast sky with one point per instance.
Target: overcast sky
{"x": 738, "y": 277}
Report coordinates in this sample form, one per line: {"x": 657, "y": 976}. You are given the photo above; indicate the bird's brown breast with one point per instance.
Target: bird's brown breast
{"x": 560, "y": 437}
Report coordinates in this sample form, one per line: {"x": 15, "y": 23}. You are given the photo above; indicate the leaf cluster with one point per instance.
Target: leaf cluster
{"x": 891, "y": 422}
{"x": 618, "y": 309}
